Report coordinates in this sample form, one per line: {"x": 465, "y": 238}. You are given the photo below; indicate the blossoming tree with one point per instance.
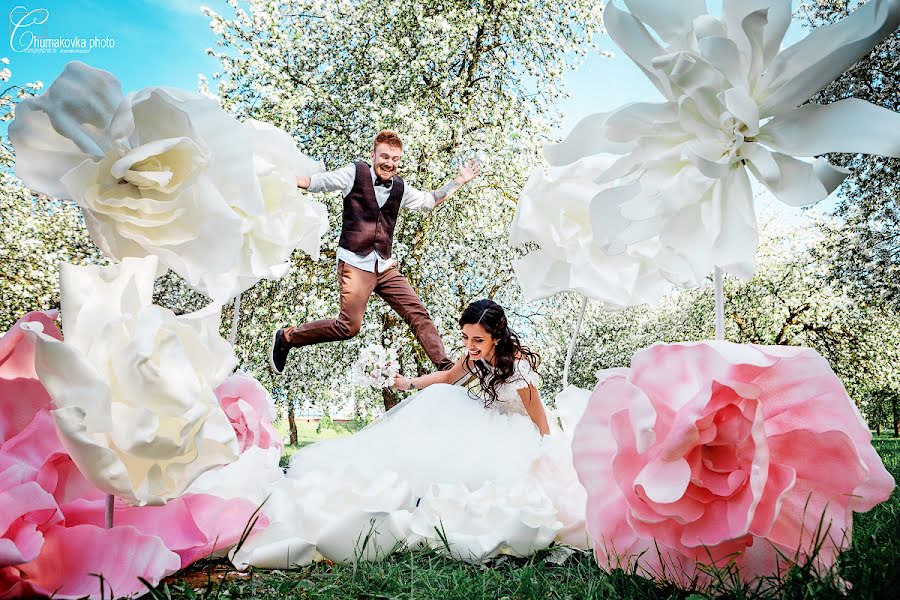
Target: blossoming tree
{"x": 456, "y": 80}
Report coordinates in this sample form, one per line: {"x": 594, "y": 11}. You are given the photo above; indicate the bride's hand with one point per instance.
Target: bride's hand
{"x": 402, "y": 383}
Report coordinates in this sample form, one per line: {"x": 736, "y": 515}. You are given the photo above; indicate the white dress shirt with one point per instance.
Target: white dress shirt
{"x": 343, "y": 179}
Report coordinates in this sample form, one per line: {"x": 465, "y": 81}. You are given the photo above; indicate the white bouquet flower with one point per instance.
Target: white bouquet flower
{"x": 376, "y": 366}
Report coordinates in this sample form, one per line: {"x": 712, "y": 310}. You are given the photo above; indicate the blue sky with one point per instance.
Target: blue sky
{"x": 157, "y": 42}
{"x": 164, "y": 42}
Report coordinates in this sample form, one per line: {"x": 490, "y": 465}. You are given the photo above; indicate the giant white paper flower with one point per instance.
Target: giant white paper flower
{"x": 132, "y": 384}
{"x": 553, "y": 211}
{"x": 732, "y": 106}
{"x": 168, "y": 173}
{"x": 288, "y": 218}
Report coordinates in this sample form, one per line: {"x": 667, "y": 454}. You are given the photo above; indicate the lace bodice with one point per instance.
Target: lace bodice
{"x": 508, "y": 399}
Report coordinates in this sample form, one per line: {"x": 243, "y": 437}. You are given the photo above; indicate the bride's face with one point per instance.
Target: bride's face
{"x": 479, "y": 344}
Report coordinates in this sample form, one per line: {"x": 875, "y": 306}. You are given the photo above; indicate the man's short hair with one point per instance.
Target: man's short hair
{"x": 389, "y": 137}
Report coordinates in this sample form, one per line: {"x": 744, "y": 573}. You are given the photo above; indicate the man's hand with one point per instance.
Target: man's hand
{"x": 468, "y": 171}
{"x": 302, "y": 182}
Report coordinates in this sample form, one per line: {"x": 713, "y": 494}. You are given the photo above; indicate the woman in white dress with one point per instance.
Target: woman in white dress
{"x": 451, "y": 434}
{"x": 471, "y": 472}
{"x": 493, "y": 353}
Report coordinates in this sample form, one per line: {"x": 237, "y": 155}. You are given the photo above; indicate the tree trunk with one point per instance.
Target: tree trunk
{"x": 390, "y": 398}
{"x": 895, "y": 414}
{"x": 878, "y": 428}
{"x": 292, "y": 424}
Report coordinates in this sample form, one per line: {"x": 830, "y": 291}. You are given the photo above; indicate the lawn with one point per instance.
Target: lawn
{"x": 871, "y": 568}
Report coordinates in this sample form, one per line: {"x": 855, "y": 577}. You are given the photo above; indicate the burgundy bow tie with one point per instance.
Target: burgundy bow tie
{"x": 383, "y": 182}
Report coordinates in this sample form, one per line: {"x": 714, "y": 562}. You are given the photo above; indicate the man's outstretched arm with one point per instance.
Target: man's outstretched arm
{"x": 467, "y": 172}
{"x": 330, "y": 181}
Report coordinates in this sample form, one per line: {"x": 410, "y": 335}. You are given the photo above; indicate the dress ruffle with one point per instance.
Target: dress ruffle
{"x": 439, "y": 470}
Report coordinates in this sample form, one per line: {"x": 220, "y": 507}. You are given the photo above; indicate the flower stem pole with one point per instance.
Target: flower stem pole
{"x": 565, "y": 379}
{"x": 235, "y": 319}
{"x": 719, "y": 283}
{"x": 110, "y": 506}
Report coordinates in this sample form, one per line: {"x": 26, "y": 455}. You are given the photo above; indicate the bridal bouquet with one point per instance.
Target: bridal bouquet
{"x": 376, "y": 366}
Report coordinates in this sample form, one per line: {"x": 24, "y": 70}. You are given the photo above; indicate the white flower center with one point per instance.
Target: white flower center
{"x": 161, "y": 165}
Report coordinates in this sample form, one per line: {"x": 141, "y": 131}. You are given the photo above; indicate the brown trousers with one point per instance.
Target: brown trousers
{"x": 356, "y": 286}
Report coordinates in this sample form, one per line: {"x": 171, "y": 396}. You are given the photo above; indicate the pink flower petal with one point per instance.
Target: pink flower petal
{"x": 25, "y": 511}
{"x": 664, "y": 481}
{"x": 21, "y": 393}
{"x": 73, "y": 558}
{"x": 715, "y": 452}
{"x": 251, "y": 410}
{"x": 173, "y": 523}
{"x": 221, "y": 521}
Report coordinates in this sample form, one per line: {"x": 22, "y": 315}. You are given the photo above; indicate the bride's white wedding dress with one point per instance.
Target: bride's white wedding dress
{"x": 439, "y": 470}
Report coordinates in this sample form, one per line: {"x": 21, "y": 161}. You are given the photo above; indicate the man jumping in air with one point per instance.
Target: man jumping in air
{"x": 373, "y": 197}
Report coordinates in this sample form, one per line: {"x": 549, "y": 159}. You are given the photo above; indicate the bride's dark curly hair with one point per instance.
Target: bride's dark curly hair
{"x": 490, "y": 315}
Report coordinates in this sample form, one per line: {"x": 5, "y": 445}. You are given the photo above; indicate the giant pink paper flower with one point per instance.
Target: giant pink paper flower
{"x": 52, "y": 538}
{"x": 250, "y": 410}
{"x": 709, "y": 452}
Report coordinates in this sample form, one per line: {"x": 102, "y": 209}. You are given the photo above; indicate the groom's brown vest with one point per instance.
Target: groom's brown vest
{"x": 367, "y": 227}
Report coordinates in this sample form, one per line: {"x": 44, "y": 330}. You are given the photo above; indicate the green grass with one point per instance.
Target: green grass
{"x": 871, "y": 567}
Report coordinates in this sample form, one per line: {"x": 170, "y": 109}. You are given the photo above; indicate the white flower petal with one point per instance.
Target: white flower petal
{"x": 640, "y": 118}
{"x": 690, "y": 74}
{"x": 732, "y": 222}
{"x": 638, "y": 43}
{"x": 741, "y": 105}
{"x": 162, "y": 165}
{"x": 851, "y": 125}
{"x": 42, "y": 155}
{"x": 671, "y": 20}
{"x": 95, "y": 295}
{"x": 588, "y": 137}
{"x": 229, "y": 144}
{"x": 167, "y": 173}
{"x": 607, "y": 222}
{"x": 79, "y": 104}
{"x": 289, "y": 219}
{"x": 723, "y": 54}
{"x": 801, "y": 183}
{"x": 555, "y": 211}
{"x": 778, "y": 20}
{"x": 799, "y": 72}
{"x": 541, "y": 275}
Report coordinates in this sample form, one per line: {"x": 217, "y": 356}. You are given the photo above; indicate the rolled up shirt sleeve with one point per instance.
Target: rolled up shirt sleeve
{"x": 414, "y": 199}
{"x": 331, "y": 181}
